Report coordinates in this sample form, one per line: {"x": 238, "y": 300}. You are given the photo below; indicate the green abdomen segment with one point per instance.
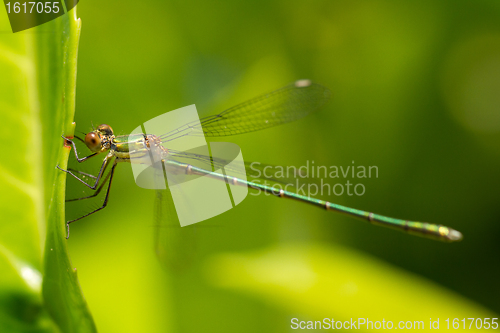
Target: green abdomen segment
{"x": 423, "y": 229}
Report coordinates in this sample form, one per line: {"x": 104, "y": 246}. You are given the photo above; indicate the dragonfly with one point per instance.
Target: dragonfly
{"x": 281, "y": 106}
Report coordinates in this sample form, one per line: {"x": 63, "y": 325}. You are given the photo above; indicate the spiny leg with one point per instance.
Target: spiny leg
{"x": 82, "y": 173}
{"x": 103, "y": 204}
{"x": 93, "y": 187}
{"x": 96, "y": 192}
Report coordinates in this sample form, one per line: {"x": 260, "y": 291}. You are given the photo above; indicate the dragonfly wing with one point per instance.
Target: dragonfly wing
{"x": 174, "y": 246}
{"x": 278, "y": 107}
{"x": 281, "y": 106}
{"x": 284, "y": 175}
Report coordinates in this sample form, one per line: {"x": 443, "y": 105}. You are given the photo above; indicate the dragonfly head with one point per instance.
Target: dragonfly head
{"x": 99, "y": 139}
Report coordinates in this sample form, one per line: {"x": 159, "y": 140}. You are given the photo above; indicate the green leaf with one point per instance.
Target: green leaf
{"x": 39, "y": 290}
{"x": 317, "y": 282}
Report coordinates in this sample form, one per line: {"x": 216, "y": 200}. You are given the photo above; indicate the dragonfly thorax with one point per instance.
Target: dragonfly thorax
{"x": 152, "y": 141}
{"x": 154, "y": 145}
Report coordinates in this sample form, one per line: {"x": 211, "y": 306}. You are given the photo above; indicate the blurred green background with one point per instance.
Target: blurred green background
{"x": 416, "y": 92}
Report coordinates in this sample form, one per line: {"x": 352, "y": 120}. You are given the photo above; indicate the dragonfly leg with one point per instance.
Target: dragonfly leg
{"x": 105, "y": 202}
{"x": 80, "y": 160}
{"x": 82, "y": 173}
{"x": 96, "y": 192}
{"x": 93, "y": 187}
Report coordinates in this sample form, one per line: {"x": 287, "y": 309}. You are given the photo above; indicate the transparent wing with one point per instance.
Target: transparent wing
{"x": 175, "y": 246}
{"x": 278, "y": 107}
{"x": 256, "y": 170}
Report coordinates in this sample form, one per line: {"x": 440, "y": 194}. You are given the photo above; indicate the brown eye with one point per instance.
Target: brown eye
{"x": 106, "y": 129}
{"x": 93, "y": 141}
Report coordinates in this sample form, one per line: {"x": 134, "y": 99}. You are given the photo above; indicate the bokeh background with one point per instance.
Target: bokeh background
{"x": 416, "y": 92}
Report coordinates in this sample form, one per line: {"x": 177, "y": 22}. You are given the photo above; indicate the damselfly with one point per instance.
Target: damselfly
{"x": 281, "y": 106}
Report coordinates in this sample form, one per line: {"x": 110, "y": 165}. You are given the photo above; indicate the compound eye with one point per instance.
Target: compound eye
{"x": 93, "y": 141}
{"x": 105, "y": 129}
